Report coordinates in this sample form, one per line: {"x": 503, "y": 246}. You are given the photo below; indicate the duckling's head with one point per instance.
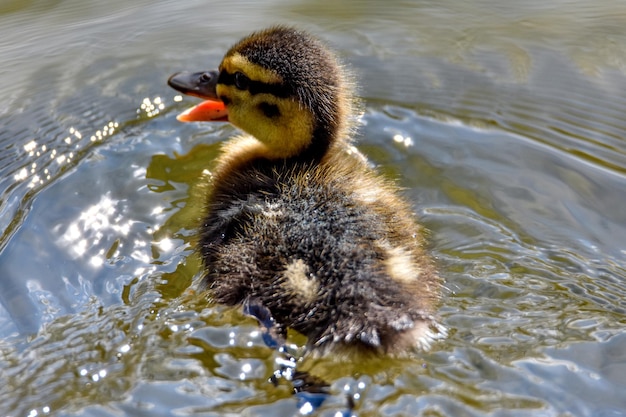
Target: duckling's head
{"x": 280, "y": 85}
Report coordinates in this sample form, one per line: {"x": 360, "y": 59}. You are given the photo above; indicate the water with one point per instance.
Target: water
{"x": 504, "y": 122}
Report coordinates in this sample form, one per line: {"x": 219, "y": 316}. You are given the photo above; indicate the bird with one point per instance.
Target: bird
{"x": 298, "y": 224}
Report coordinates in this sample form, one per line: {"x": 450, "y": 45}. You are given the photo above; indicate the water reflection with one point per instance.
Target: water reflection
{"x": 511, "y": 297}
{"x": 89, "y": 229}
{"x": 503, "y": 122}
{"x": 36, "y": 168}
{"x": 91, "y": 244}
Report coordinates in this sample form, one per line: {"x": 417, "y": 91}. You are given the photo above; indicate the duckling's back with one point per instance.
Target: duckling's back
{"x": 328, "y": 248}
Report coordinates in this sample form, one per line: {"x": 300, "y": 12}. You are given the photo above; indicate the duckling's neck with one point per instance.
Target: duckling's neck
{"x": 317, "y": 148}
{"x": 308, "y": 148}
{"x": 243, "y": 151}
{"x": 323, "y": 138}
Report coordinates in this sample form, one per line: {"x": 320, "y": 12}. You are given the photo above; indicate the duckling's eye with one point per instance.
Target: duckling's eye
{"x": 241, "y": 81}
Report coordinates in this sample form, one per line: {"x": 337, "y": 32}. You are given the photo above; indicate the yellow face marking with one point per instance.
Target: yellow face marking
{"x": 285, "y": 134}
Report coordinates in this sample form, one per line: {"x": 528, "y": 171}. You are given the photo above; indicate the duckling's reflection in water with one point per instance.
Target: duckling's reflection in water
{"x": 297, "y": 225}
{"x": 311, "y": 391}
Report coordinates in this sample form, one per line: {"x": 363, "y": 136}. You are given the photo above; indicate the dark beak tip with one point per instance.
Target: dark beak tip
{"x": 177, "y": 83}
{"x": 200, "y": 84}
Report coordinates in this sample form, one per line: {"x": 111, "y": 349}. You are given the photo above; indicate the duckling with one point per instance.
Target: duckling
{"x": 297, "y": 222}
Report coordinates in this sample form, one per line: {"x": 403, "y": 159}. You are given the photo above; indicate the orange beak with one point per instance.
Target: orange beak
{"x": 207, "y": 111}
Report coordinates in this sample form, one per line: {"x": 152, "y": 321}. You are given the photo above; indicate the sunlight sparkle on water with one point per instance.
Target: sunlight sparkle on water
{"x": 406, "y": 141}
{"x": 21, "y": 175}
{"x": 165, "y": 244}
{"x": 30, "y": 147}
{"x": 151, "y": 107}
{"x": 139, "y": 172}
{"x": 141, "y": 256}
{"x": 306, "y": 408}
{"x": 44, "y": 410}
{"x": 99, "y": 375}
{"x": 62, "y": 155}
{"x": 246, "y": 368}
{"x": 107, "y": 130}
{"x": 96, "y": 261}
{"x": 124, "y": 348}
{"x": 92, "y": 226}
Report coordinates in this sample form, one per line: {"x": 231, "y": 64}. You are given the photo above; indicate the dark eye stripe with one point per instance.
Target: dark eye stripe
{"x": 257, "y": 87}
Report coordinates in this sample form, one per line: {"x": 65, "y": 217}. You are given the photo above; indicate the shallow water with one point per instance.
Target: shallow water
{"x": 503, "y": 122}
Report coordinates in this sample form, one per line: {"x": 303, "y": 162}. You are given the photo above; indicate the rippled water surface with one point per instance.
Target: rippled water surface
{"x": 503, "y": 121}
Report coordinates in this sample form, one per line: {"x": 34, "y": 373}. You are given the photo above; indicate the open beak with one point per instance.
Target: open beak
{"x": 202, "y": 85}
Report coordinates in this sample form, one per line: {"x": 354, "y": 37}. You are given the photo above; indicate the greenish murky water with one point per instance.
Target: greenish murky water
{"x": 504, "y": 122}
